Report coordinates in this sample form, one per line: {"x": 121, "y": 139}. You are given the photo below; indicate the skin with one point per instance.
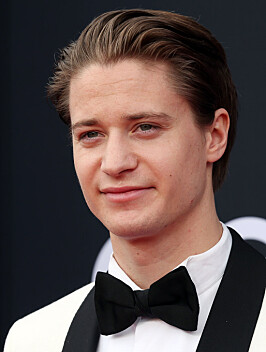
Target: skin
{"x": 144, "y": 166}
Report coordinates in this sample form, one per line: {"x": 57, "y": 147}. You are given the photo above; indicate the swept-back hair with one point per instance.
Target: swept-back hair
{"x": 196, "y": 61}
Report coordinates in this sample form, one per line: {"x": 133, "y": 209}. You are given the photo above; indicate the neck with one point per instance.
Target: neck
{"x": 145, "y": 260}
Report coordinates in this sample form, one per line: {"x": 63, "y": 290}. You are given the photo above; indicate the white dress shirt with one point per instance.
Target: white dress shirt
{"x": 152, "y": 335}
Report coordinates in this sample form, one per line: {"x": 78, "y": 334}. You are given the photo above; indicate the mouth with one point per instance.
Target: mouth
{"x": 124, "y": 194}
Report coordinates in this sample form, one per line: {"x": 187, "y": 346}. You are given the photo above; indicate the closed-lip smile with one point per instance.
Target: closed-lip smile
{"x": 124, "y": 194}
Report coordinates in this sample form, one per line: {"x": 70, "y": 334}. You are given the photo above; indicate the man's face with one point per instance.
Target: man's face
{"x": 139, "y": 156}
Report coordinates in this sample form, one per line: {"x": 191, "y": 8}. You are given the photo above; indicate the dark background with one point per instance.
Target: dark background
{"x": 49, "y": 239}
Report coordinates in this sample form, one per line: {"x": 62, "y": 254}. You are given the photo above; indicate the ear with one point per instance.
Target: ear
{"x": 217, "y": 134}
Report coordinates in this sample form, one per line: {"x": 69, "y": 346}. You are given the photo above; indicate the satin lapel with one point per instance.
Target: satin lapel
{"x": 83, "y": 334}
{"x": 237, "y": 304}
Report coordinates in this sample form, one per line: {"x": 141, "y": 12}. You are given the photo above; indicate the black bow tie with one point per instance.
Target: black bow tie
{"x": 172, "y": 299}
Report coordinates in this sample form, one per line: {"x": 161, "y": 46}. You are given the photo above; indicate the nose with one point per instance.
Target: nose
{"x": 118, "y": 156}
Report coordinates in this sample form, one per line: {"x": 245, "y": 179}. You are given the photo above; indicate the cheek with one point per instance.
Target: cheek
{"x": 84, "y": 170}
{"x": 79, "y": 167}
{"x": 86, "y": 177}
{"x": 184, "y": 169}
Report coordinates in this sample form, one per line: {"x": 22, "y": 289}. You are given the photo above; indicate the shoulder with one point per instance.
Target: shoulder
{"x": 248, "y": 256}
{"x": 259, "y": 338}
{"x": 45, "y": 329}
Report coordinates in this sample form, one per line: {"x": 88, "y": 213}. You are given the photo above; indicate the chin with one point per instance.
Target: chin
{"x": 132, "y": 230}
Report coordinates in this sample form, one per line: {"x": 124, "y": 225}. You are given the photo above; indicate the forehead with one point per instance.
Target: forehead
{"x": 126, "y": 87}
{"x": 124, "y": 74}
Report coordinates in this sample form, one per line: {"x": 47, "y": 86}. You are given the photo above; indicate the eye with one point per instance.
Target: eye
{"x": 90, "y": 135}
{"x": 147, "y": 130}
{"x": 146, "y": 127}
{"x": 89, "y": 138}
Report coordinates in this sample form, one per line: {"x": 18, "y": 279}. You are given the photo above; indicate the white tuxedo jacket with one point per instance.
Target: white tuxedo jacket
{"x": 236, "y": 323}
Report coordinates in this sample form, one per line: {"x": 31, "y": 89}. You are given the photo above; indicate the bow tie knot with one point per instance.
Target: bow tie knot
{"x": 172, "y": 298}
{"x": 142, "y": 308}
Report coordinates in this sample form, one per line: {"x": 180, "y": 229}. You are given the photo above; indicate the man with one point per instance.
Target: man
{"x": 152, "y": 110}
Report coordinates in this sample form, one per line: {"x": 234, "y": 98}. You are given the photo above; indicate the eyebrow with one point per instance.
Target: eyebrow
{"x": 87, "y": 122}
{"x": 132, "y": 117}
{"x": 145, "y": 115}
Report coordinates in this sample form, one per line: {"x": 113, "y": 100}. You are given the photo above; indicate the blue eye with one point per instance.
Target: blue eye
{"x": 90, "y": 137}
{"x": 91, "y": 134}
{"x": 146, "y": 127}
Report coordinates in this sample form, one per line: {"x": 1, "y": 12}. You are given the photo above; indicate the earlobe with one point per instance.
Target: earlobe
{"x": 217, "y": 135}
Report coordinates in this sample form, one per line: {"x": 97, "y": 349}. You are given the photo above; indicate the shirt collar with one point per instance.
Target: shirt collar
{"x": 205, "y": 269}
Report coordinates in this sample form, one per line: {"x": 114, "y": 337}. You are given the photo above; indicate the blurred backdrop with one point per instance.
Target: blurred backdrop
{"x": 49, "y": 239}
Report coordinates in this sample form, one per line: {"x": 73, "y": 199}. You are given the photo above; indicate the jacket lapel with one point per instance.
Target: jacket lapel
{"x": 232, "y": 318}
{"x": 83, "y": 334}
{"x": 237, "y": 304}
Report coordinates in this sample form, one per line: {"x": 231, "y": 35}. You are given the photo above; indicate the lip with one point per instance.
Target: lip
{"x": 124, "y": 194}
